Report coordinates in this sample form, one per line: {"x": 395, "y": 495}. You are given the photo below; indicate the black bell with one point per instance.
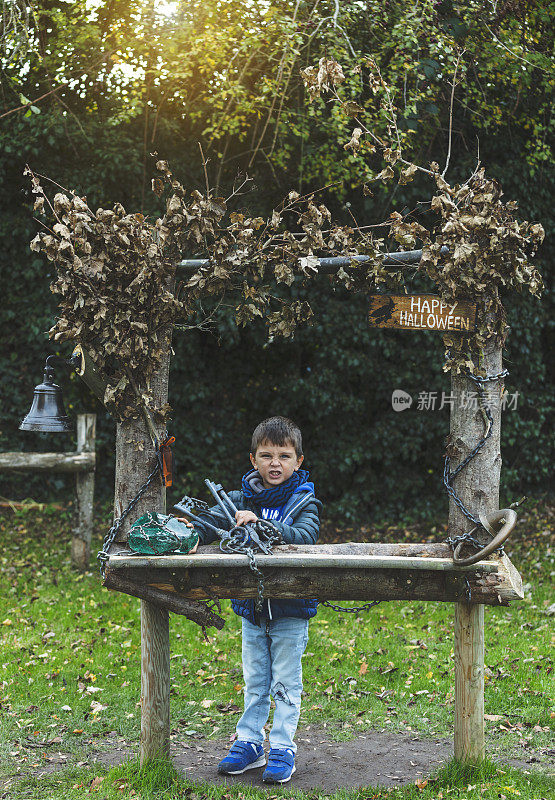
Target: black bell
{"x": 47, "y": 410}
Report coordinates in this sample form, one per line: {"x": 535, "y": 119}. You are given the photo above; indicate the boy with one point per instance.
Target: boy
{"x": 273, "y": 641}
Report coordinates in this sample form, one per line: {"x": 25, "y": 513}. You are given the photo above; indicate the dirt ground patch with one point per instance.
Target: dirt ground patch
{"x": 375, "y": 758}
{"x": 371, "y": 759}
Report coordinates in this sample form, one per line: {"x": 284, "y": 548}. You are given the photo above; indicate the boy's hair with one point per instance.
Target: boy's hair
{"x": 280, "y": 431}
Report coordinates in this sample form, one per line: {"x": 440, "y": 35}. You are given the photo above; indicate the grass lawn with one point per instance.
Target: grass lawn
{"x": 70, "y": 654}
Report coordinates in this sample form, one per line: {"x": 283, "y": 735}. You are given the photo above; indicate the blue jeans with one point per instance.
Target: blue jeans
{"x": 272, "y": 666}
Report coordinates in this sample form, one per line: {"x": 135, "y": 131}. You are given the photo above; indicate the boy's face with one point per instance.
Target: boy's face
{"x": 275, "y": 463}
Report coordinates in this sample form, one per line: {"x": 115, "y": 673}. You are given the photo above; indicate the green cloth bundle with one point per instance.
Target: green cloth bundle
{"x": 156, "y": 534}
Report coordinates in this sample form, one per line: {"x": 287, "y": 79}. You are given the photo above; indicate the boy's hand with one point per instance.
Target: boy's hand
{"x": 189, "y": 524}
{"x": 244, "y": 517}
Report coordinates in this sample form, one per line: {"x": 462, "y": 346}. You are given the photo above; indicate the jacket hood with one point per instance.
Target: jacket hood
{"x": 307, "y": 486}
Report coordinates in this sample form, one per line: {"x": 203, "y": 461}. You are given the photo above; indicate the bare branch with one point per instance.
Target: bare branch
{"x": 459, "y": 56}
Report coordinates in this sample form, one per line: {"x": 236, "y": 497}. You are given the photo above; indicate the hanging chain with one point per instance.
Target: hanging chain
{"x": 449, "y": 477}
{"x": 262, "y": 538}
{"x": 237, "y": 540}
{"x": 353, "y": 609}
{"x": 102, "y": 556}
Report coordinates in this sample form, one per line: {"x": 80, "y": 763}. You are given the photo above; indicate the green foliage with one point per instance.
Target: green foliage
{"x": 216, "y": 67}
{"x": 71, "y": 673}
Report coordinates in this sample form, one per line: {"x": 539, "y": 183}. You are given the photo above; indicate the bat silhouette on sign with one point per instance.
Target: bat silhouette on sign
{"x": 383, "y": 313}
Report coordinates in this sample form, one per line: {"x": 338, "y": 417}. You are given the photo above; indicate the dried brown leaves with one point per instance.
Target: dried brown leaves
{"x": 115, "y": 271}
{"x": 485, "y": 248}
{"x": 488, "y": 251}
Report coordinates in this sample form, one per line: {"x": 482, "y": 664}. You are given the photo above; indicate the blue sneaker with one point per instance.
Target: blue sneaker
{"x": 241, "y": 757}
{"x": 281, "y": 765}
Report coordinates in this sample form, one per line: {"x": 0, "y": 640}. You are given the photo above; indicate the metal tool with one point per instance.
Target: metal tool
{"x": 259, "y": 536}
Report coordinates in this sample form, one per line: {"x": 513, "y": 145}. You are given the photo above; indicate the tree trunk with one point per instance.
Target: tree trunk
{"x": 478, "y": 488}
{"x": 89, "y": 374}
{"x": 135, "y": 460}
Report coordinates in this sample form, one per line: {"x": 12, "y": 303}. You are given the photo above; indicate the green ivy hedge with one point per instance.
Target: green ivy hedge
{"x": 335, "y": 379}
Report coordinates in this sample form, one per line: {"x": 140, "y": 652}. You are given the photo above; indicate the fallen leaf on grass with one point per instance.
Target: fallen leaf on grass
{"x": 95, "y": 783}
{"x": 421, "y": 784}
{"x": 363, "y": 668}
{"x": 493, "y": 717}
{"x": 227, "y": 708}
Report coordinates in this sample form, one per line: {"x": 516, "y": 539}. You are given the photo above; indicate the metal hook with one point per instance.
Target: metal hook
{"x": 506, "y": 518}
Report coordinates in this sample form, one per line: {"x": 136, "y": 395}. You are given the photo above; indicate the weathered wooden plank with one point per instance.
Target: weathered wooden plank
{"x": 201, "y": 583}
{"x": 84, "y": 490}
{"x": 47, "y": 462}
{"x": 424, "y": 312}
{"x": 171, "y": 601}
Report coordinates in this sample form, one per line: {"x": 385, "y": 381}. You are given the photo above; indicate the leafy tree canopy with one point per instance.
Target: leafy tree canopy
{"x": 90, "y": 89}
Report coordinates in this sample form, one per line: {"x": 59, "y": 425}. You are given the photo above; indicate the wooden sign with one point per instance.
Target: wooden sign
{"x": 425, "y": 312}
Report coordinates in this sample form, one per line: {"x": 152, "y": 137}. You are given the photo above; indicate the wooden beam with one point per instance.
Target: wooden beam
{"x": 201, "y": 560}
{"x": 193, "y": 610}
{"x": 47, "y": 462}
{"x": 469, "y": 682}
{"x": 335, "y": 573}
{"x": 329, "y": 265}
{"x": 84, "y": 493}
{"x": 478, "y": 488}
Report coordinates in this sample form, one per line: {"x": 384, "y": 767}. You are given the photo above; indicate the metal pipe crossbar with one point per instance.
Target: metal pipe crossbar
{"x": 333, "y": 263}
{"x": 296, "y": 560}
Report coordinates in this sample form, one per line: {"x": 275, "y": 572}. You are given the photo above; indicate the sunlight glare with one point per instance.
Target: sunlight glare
{"x": 166, "y": 7}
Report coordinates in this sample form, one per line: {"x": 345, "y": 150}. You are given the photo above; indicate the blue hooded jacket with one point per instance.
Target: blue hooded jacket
{"x": 299, "y": 523}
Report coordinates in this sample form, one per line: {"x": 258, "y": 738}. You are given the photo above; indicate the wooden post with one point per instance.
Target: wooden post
{"x": 478, "y": 488}
{"x": 155, "y": 682}
{"x": 135, "y": 460}
{"x": 84, "y": 493}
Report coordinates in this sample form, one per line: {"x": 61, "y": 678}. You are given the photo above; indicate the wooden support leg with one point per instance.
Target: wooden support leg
{"x": 84, "y": 494}
{"x": 469, "y": 682}
{"x": 477, "y": 485}
{"x": 155, "y": 682}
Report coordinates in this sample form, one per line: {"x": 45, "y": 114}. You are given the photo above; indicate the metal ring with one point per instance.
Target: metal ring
{"x": 505, "y": 515}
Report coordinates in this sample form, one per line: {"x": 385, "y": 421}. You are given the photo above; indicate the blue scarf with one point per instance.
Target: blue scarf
{"x": 276, "y": 496}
